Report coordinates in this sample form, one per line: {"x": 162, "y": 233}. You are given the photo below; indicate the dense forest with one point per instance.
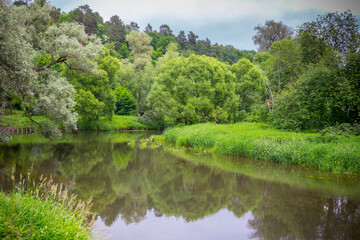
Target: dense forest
{"x": 73, "y": 68}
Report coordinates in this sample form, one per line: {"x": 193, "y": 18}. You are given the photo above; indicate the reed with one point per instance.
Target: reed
{"x": 336, "y": 153}
{"x": 43, "y": 209}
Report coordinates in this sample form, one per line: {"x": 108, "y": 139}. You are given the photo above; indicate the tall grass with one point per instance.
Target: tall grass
{"x": 43, "y": 210}
{"x": 329, "y": 152}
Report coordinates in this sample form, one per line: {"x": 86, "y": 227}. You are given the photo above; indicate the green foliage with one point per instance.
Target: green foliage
{"x": 340, "y": 31}
{"x": 248, "y": 81}
{"x": 88, "y": 106}
{"x": 192, "y": 90}
{"x": 125, "y": 102}
{"x": 340, "y": 154}
{"x": 323, "y": 96}
{"x": 116, "y": 123}
{"x": 43, "y": 211}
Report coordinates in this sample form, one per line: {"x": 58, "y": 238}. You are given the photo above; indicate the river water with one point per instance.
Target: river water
{"x": 164, "y": 192}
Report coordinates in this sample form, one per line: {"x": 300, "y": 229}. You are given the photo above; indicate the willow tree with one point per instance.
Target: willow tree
{"x": 29, "y": 51}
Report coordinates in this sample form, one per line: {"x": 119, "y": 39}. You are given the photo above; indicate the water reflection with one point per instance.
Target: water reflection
{"x": 129, "y": 182}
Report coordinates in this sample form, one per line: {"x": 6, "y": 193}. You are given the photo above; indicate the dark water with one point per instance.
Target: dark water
{"x": 164, "y": 193}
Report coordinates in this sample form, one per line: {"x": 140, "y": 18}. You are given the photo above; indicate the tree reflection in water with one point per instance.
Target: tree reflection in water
{"x": 127, "y": 182}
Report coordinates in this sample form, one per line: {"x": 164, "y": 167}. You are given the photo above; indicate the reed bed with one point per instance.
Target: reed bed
{"x": 329, "y": 152}
{"x": 43, "y": 209}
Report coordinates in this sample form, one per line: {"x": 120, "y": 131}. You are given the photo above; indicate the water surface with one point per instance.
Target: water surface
{"x": 168, "y": 193}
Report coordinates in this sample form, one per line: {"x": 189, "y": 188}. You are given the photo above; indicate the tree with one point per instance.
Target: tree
{"x": 125, "y": 102}
{"x": 248, "y": 80}
{"x": 269, "y": 33}
{"x": 116, "y": 31}
{"x": 165, "y": 31}
{"x": 132, "y": 26}
{"x": 84, "y": 15}
{"x": 140, "y": 49}
{"x": 192, "y": 90}
{"x": 339, "y": 31}
{"x": 182, "y": 40}
{"x": 192, "y": 38}
{"x": 148, "y": 29}
{"x": 40, "y": 85}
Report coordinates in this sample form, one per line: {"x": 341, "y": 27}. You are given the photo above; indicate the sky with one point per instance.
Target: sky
{"x": 222, "y": 21}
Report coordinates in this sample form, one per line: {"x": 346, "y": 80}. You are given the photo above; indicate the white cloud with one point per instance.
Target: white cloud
{"x": 207, "y": 10}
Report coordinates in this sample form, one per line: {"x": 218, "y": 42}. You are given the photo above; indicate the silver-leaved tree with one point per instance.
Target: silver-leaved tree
{"x": 31, "y": 50}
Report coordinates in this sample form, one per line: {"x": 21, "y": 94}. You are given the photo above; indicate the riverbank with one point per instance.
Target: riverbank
{"x": 102, "y": 124}
{"x": 259, "y": 141}
{"x": 43, "y": 210}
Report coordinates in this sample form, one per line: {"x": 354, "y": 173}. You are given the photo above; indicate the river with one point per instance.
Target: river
{"x": 164, "y": 192}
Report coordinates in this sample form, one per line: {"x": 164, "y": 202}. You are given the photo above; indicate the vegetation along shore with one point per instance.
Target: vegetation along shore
{"x": 336, "y": 153}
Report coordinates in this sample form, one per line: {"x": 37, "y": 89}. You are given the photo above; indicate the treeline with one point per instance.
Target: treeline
{"x": 74, "y": 68}
{"x": 115, "y": 30}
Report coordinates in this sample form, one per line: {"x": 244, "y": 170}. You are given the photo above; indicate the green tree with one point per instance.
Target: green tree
{"x": 125, "y": 102}
{"x": 116, "y": 31}
{"x": 140, "y": 49}
{"x": 41, "y": 86}
{"x": 191, "y": 90}
{"x": 248, "y": 81}
{"x": 340, "y": 31}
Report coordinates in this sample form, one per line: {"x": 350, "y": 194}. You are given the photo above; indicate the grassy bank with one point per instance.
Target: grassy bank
{"x": 45, "y": 211}
{"x": 18, "y": 119}
{"x": 328, "y": 152}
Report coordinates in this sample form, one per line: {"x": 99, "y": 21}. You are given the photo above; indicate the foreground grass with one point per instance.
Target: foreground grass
{"x": 334, "y": 153}
{"x": 45, "y": 211}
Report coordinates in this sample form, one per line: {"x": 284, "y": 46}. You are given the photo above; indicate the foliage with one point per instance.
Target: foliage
{"x": 322, "y": 97}
{"x": 125, "y": 102}
{"x": 248, "y": 81}
{"x": 117, "y": 123}
{"x": 141, "y": 50}
{"x": 192, "y": 90}
{"x": 340, "y": 31}
{"x": 43, "y": 211}
{"x": 88, "y": 106}
{"x": 269, "y": 33}
{"x": 340, "y": 154}
{"x": 26, "y": 32}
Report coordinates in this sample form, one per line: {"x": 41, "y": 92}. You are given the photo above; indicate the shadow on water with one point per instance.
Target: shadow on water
{"x": 127, "y": 182}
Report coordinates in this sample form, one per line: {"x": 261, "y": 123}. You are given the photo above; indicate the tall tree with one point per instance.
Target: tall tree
{"x": 35, "y": 81}
{"x": 148, "y": 28}
{"x": 269, "y": 33}
{"x": 165, "y": 30}
{"x": 338, "y": 30}
{"x": 116, "y": 31}
{"x": 84, "y": 15}
{"x": 192, "y": 38}
{"x": 181, "y": 39}
{"x": 140, "y": 48}
{"x": 132, "y": 26}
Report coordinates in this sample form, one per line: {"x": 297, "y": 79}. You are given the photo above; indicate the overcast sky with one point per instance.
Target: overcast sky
{"x": 222, "y": 21}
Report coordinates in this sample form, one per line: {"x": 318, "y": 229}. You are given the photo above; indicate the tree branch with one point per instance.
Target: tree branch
{"x": 27, "y": 109}
{"x": 59, "y": 60}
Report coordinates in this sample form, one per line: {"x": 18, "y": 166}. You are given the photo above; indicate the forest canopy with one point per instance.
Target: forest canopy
{"x": 74, "y": 68}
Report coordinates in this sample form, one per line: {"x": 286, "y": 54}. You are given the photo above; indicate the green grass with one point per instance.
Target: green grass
{"x": 45, "y": 211}
{"x": 259, "y": 141}
{"x": 19, "y": 120}
{"x": 118, "y": 123}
